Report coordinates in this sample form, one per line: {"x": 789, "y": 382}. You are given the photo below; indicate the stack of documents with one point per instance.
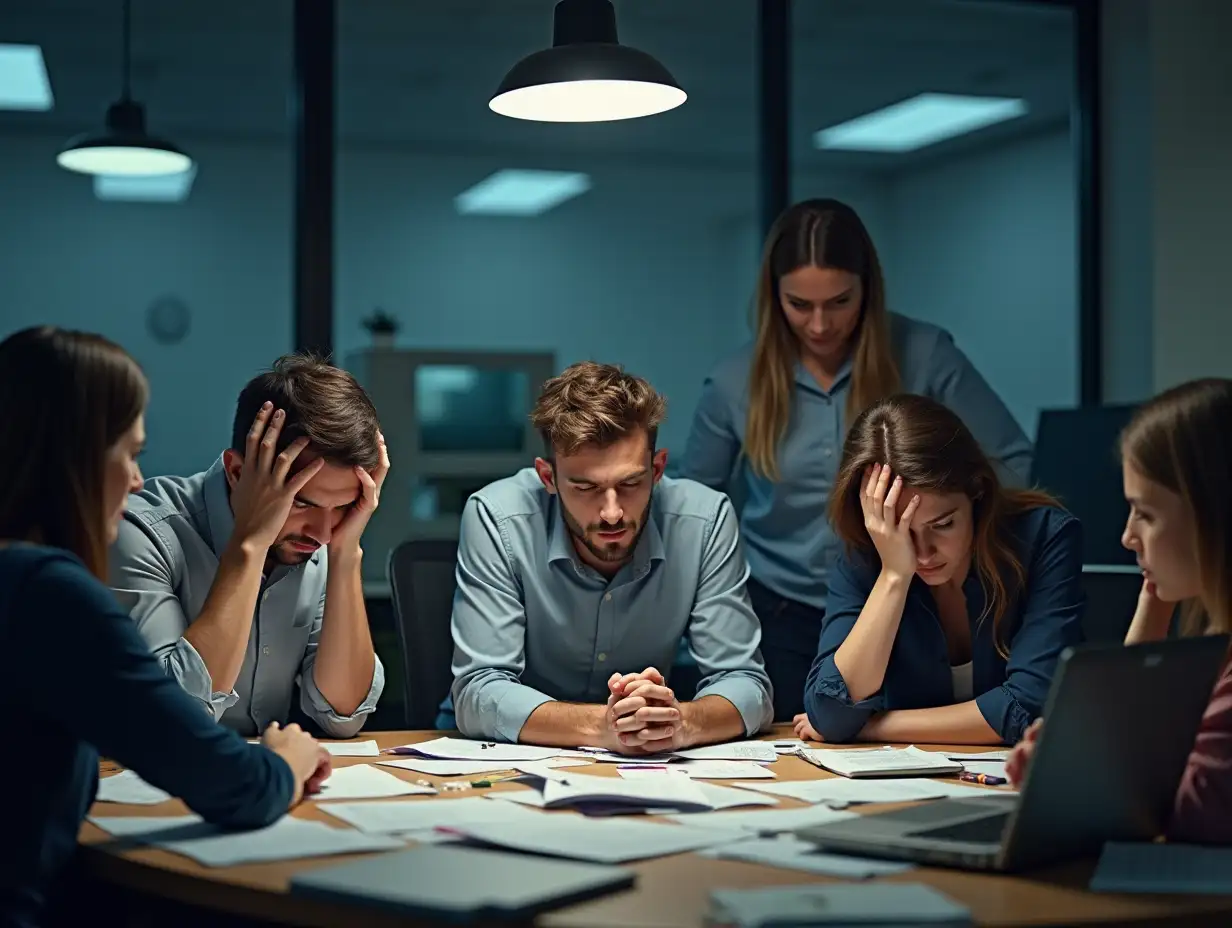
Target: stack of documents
{"x": 882, "y": 762}
{"x": 286, "y": 839}
{"x": 882, "y": 904}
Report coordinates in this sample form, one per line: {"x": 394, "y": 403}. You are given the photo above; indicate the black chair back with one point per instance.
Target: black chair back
{"x": 1112, "y": 597}
{"x": 422, "y": 577}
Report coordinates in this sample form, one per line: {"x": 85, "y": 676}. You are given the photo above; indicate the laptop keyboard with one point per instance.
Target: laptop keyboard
{"x": 986, "y": 830}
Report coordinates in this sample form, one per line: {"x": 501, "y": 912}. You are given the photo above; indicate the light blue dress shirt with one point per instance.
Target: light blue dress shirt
{"x": 791, "y": 545}
{"x": 162, "y": 567}
{"x": 532, "y": 623}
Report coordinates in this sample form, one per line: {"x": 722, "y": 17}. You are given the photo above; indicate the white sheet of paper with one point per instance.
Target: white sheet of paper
{"x": 906, "y": 761}
{"x": 762, "y": 751}
{"x": 767, "y": 822}
{"x": 670, "y": 790}
{"x": 491, "y": 751}
{"x": 127, "y": 787}
{"x": 976, "y": 755}
{"x": 364, "y": 782}
{"x": 788, "y": 745}
{"x": 605, "y": 840}
{"x": 840, "y": 791}
{"x": 351, "y": 748}
{"x": 725, "y": 797}
{"x": 446, "y": 768}
{"x": 992, "y": 768}
{"x": 790, "y": 853}
{"x": 287, "y": 839}
{"x": 396, "y": 816}
{"x": 724, "y": 770}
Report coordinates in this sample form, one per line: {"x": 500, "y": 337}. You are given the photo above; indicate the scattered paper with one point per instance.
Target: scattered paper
{"x": 669, "y": 791}
{"x": 762, "y": 751}
{"x": 995, "y": 768}
{"x": 396, "y": 816}
{"x": 975, "y": 755}
{"x": 447, "y": 768}
{"x": 352, "y": 748}
{"x": 725, "y": 770}
{"x": 881, "y": 762}
{"x": 791, "y": 853}
{"x": 725, "y": 797}
{"x": 287, "y": 839}
{"x": 768, "y": 822}
{"x": 838, "y": 792}
{"x": 364, "y": 782}
{"x": 601, "y": 840}
{"x": 127, "y": 787}
{"x": 464, "y": 749}
{"x": 788, "y": 745}
{"x": 836, "y": 904}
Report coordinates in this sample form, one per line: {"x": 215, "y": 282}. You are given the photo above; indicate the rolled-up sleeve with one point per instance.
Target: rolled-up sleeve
{"x": 724, "y": 635}
{"x": 142, "y": 576}
{"x": 713, "y": 446}
{"x": 489, "y": 634}
{"x": 1051, "y": 622}
{"x": 830, "y": 708}
{"x": 313, "y": 701}
{"x": 961, "y": 387}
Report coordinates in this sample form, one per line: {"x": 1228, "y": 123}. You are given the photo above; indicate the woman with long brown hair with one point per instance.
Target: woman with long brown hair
{"x": 955, "y": 596}
{"x": 79, "y": 678}
{"x": 770, "y": 424}
{"x": 1176, "y": 463}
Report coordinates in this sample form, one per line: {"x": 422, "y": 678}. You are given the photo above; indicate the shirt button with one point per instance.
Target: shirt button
{"x": 265, "y": 650}
{"x": 828, "y": 451}
{"x": 602, "y": 656}
{"x": 607, "y": 597}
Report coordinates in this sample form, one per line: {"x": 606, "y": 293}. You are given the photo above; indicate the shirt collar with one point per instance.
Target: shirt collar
{"x": 809, "y": 382}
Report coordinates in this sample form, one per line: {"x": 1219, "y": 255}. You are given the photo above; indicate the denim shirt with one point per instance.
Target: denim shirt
{"x": 791, "y": 546}
{"x": 532, "y": 623}
{"x": 162, "y": 567}
{"x": 1041, "y": 621}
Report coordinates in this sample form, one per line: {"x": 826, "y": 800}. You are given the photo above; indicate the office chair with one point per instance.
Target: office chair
{"x": 421, "y": 576}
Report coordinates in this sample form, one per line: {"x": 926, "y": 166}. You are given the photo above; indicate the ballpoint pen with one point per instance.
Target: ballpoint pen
{"x": 984, "y": 779}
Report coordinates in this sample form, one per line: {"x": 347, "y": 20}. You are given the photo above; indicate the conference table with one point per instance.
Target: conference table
{"x": 670, "y": 892}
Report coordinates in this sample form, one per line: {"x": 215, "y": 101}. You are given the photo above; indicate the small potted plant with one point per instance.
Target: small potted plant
{"x": 382, "y": 327}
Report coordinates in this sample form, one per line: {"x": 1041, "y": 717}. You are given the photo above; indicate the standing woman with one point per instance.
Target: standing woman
{"x": 79, "y": 679}
{"x": 770, "y": 424}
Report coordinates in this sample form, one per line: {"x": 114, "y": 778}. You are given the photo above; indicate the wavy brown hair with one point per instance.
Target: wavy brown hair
{"x": 65, "y": 399}
{"x": 930, "y": 448}
{"x": 822, "y": 234}
{"x": 1182, "y": 441}
{"x": 595, "y": 404}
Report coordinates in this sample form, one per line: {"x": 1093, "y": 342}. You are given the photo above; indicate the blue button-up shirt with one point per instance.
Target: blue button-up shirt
{"x": 532, "y": 623}
{"x": 162, "y": 567}
{"x": 1043, "y": 620}
{"x": 791, "y": 546}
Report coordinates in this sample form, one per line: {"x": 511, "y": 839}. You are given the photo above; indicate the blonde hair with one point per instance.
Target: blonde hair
{"x": 1181, "y": 441}
{"x": 595, "y": 404}
{"x": 824, "y": 234}
{"x": 930, "y": 447}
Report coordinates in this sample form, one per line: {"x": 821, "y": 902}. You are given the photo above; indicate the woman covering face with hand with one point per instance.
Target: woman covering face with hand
{"x": 955, "y": 595}
{"x": 1176, "y": 464}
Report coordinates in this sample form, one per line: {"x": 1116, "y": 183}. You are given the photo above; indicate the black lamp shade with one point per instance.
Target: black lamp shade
{"x": 587, "y": 75}
{"x": 124, "y": 148}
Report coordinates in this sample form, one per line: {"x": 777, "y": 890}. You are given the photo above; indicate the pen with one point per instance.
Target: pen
{"x": 985, "y": 779}
{"x": 641, "y": 767}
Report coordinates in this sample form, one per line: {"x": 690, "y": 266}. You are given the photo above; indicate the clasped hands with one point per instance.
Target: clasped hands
{"x": 643, "y": 715}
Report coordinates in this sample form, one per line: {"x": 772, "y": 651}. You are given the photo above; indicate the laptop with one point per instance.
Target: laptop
{"x": 1119, "y": 725}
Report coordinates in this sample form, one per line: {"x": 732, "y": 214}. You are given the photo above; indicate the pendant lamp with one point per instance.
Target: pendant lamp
{"x": 587, "y": 75}
{"x": 123, "y": 147}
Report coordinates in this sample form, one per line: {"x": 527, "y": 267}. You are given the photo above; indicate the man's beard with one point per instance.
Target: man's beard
{"x": 282, "y": 552}
{"x": 612, "y": 553}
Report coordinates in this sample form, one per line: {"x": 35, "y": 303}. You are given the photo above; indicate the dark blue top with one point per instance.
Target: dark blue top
{"x": 1043, "y": 620}
{"x": 80, "y": 680}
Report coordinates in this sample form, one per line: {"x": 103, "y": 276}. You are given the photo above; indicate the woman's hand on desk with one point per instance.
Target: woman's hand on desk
{"x": 309, "y": 762}
{"x": 1020, "y": 757}
{"x": 805, "y": 731}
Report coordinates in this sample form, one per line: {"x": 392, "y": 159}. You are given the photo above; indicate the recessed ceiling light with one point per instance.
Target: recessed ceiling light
{"x": 158, "y": 188}
{"x": 521, "y": 193}
{"x": 23, "y": 79}
{"x": 922, "y": 120}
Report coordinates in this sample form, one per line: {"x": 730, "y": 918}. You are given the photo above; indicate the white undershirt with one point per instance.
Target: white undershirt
{"x": 964, "y": 686}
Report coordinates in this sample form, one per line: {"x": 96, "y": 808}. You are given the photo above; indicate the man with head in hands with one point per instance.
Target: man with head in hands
{"x": 577, "y": 578}
{"x": 245, "y": 579}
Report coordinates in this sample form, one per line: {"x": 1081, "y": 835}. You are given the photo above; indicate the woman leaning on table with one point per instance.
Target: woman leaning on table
{"x": 771, "y": 420}
{"x": 1176, "y": 462}
{"x": 955, "y": 596}
{"x": 79, "y": 678}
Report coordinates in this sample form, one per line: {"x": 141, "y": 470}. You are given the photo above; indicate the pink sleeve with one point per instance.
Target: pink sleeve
{"x": 1203, "y": 813}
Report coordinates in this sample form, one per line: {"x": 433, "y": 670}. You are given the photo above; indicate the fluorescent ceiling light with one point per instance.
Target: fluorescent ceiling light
{"x": 159, "y": 188}
{"x": 23, "y": 79}
{"x": 920, "y": 121}
{"x": 521, "y": 193}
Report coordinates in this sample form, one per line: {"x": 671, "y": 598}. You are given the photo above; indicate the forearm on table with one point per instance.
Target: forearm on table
{"x": 865, "y": 652}
{"x": 219, "y": 633}
{"x": 565, "y": 725}
{"x": 710, "y": 720}
{"x": 345, "y": 659}
{"x": 962, "y": 723}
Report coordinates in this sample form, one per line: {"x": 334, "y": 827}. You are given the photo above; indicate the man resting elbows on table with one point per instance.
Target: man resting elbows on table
{"x": 578, "y": 573}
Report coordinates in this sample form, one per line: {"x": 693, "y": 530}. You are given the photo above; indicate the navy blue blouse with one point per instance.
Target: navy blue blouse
{"x": 1043, "y": 620}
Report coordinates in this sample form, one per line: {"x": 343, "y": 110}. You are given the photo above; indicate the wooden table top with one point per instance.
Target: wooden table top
{"x": 671, "y": 892}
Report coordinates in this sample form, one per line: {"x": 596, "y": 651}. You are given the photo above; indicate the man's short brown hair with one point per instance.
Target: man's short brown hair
{"x": 321, "y": 402}
{"x": 595, "y": 404}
